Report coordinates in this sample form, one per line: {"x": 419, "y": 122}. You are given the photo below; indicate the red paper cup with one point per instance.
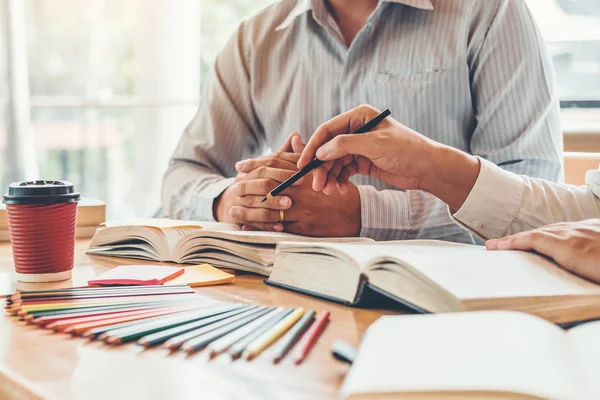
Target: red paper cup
{"x": 42, "y": 220}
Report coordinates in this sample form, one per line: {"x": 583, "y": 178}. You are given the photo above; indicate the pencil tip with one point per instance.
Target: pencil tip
{"x": 263, "y": 200}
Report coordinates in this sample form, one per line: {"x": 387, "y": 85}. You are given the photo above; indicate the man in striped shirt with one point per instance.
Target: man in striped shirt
{"x": 474, "y": 75}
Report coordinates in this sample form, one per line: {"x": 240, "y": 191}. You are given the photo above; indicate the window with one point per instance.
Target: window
{"x": 111, "y": 86}
{"x": 572, "y": 32}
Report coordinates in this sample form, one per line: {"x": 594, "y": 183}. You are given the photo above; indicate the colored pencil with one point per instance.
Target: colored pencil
{"x": 163, "y": 336}
{"x": 88, "y": 290}
{"x": 270, "y": 336}
{"x": 44, "y": 320}
{"x": 178, "y": 341}
{"x": 238, "y": 348}
{"x": 66, "y": 305}
{"x": 102, "y": 320}
{"x": 311, "y": 336}
{"x": 111, "y": 295}
{"x": 101, "y": 332}
{"x": 92, "y": 309}
{"x": 100, "y": 288}
{"x": 200, "y": 342}
{"x": 152, "y": 325}
{"x": 291, "y": 338}
{"x": 222, "y": 344}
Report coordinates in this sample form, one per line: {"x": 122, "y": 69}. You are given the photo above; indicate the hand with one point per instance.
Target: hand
{"x": 312, "y": 213}
{"x": 241, "y": 202}
{"x": 574, "y": 246}
{"x": 392, "y": 153}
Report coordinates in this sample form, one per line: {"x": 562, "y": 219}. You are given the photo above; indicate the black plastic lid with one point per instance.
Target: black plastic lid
{"x": 41, "y": 192}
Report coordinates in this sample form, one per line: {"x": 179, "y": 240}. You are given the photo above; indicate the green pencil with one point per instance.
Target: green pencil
{"x": 161, "y": 337}
{"x": 291, "y": 338}
{"x": 153, "y": 325}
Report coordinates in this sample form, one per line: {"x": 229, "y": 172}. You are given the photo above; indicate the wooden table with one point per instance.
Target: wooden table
{"x": 37, "y": 364}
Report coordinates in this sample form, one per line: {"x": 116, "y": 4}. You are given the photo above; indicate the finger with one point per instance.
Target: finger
{"x": 539, "y": 240}
{"x": 278, "y": 227}
{"x": 320, "y": 176}
{"x": 332, "y": 177}
{"x": 275, "y": 203}
{"x": 250, "y": 216}
{"x": 344, "y": 179}
{"x": 258, "y": 187}
{"x": 276, "y": 174}
{"x": 343, "y": 124}
{"x": 287, "y": 145}
{"x": 297, "y": 144}
{"x": 343, "y": 145}
{"x": 277, "y": 160}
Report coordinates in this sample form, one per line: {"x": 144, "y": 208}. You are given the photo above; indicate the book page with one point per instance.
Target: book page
{"x": 492, "y": 351}
{"x": 585, "y": 347}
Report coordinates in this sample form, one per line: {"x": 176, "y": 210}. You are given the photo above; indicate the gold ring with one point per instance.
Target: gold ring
{"x": 281, "y": 216}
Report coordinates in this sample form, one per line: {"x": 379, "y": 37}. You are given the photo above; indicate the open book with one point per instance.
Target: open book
{"x": 187, "y": 242}
{"x": 432, "y": 276}
{"x": 479, "y": 355}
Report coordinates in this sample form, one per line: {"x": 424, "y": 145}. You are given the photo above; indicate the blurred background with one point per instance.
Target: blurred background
{"x": 98, "y": 91}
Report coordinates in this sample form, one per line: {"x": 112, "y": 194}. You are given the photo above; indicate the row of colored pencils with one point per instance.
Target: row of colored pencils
{"x": 172, "y": 317}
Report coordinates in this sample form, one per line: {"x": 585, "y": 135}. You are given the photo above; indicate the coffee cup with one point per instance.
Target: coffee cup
{"x": 42, "y": 221}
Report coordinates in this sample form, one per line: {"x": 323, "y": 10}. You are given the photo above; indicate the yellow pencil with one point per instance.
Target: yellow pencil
{"x": 263, "y": 341}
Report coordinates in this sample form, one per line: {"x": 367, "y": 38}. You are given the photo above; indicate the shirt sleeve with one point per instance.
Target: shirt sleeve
{"x": 502, "y": 203}
{"x": 224, "y": 130}
{"x": 517, "y": 125}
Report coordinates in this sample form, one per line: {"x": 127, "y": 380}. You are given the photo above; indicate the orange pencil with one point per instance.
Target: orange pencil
{"x": 311, "y": 336}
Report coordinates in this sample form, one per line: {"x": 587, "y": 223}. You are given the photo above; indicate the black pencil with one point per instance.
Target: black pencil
{"x": 163, "y": 336}
{"x": 291, "y": 338}
{"x": 316, "y": 162}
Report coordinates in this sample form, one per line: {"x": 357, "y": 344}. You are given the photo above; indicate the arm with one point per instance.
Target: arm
{"x": 223, "y": 130}
{"x": 502, "y": 203}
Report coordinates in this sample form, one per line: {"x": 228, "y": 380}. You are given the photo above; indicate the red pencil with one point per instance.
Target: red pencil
{"x": 311, "y": 336}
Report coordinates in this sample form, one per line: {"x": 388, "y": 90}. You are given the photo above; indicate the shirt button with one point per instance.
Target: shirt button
{"x": 477, "y": 225}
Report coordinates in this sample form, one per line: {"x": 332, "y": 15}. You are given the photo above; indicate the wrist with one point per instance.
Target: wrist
{"x": 451, "y": 175}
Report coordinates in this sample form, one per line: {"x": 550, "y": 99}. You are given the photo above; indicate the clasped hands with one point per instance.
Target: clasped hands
{"x": 306, "y": 211}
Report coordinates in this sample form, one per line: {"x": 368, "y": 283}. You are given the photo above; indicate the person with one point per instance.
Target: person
{"x": 474, "y": 75}
{"x": 515, "y": 212}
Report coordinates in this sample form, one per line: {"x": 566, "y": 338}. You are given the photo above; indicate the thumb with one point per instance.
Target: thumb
{"x": 343, "y": 145}
{"x": 297, "y": 144}
{"x": 287, "y": 146}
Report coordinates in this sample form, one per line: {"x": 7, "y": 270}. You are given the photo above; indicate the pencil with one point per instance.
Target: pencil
{"x": 311, "y": 336}
{"x": 152, "y": 325}
{"x": 238, "y": 348}
{"x": 316, "y": 162}
{"x": 270, "y": 336}
{"x": 85, "y": 323}
{"x": 178, "y": 341}
{"x": 200, "y": 342}
{"x": 161, "y": 337}
{"x": 90, "y": 289}
{"x": 101, "y": 332}
{"x": 99, "y": 288}
{"x": 290, "y": 339}
{"x": 222, "y": 344}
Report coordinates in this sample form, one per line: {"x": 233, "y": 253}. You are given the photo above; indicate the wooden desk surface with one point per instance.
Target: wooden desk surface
{"x": 37, "y": 364}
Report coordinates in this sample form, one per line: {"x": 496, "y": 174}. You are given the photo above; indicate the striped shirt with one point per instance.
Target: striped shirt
{"x": 471, "y": 74}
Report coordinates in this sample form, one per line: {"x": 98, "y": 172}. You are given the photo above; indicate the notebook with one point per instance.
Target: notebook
{"x": 202, "y": 275}
{"x": 137, "y": 275}
{"x": 478, "y": 355}
{"x": 187, "y": 242}
{"x": 437, "y": 277}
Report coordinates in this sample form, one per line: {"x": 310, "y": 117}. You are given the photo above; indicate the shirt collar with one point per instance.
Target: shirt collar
{"x": 303, "y": 6}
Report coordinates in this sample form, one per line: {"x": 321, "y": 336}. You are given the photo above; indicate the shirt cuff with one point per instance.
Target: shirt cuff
{"x": 384, "y": 214}
{"x": 493, "y": 202}
{"x": 204, "y": 201}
